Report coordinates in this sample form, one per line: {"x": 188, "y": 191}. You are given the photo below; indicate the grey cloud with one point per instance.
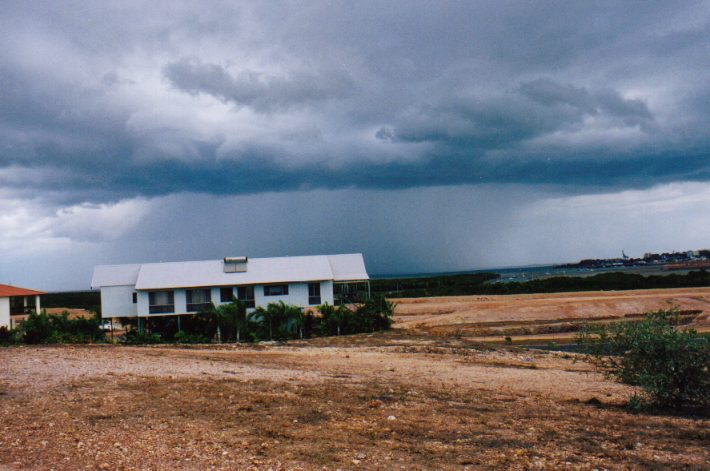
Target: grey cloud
{"x": 500, "y": 121}
{"x": 423, "y": 119}
{"x": 549, "y": 93}
{"x": 258, "y": 90}
{"x": 367, "y": 95}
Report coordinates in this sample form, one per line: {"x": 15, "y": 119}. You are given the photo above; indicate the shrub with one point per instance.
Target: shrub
{"x": 58, "y": 328}
{"x": 375, "y": 314}
{"x": 183, "y": 337}
{"x": 7, "y": 336}
{"x": 133, "y": 337}
{"x": 671, "y": 366}
{"x": 333, "y": 319}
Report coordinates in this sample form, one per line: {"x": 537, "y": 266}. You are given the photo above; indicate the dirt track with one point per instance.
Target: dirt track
{"x": 384, "y": 401}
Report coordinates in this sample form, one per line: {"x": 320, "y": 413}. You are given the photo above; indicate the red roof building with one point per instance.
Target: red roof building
{"x": 16, "y": 301}
{"x": 7, "y": 291}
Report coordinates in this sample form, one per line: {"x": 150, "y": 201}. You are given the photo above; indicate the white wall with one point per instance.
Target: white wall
{"x": 294, "y": 296}
{"x": 180, "y": 301}
{"x": 117, "y": 301}
{"x": 297, "y": 295}
{"x": 326, "y": 293}
{"x": 143, "y": 303}
{"x": 5, "y": 312}
{"x": 214, "y": 292}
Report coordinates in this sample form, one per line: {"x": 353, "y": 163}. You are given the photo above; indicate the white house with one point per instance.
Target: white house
{"x": 174, "y": 288}
{"x": 16, "y": 302}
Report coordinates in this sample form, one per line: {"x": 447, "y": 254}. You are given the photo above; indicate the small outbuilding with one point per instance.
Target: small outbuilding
{"x": 15, "y": 303}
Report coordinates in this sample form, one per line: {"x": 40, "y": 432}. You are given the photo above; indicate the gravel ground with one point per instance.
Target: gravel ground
{"x": 379, "y": 401}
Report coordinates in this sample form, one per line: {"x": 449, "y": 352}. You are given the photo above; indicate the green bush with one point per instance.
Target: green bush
{"x": 671, "y": 366}
{"x": 373, "y": 315}
{"x": 133, "y": 337}
{"x": 183, "y": 337}
{"x": 7, "y": 336}
{"x": 58, "y": 328}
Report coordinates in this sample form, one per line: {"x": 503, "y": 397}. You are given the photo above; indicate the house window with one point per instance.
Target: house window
{"x": 246, "y": 295}
{"x": 275, "y": 290}
{"x": 313, "y": 293}
{"x": 135, "y": 298}
{"x": 226, "y": 295}
{"x": 198, "y": 299}
{"x": 161, "y": 302}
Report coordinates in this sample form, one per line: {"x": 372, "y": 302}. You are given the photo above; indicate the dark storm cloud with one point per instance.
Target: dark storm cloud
{"x": 249, "y": 88}
{"x": 129, "y": 99}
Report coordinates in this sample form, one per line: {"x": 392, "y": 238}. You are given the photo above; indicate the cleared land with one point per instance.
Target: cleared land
{"x": 539, "y": 317}
{"x": 416, "y": 397}
{"x": 383, "y": 401}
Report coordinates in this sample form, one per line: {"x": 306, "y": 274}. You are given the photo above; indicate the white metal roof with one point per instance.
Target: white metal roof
{"x": 348, "y": 267}
{"x": 115, "y": 275}
{"x": 211, "y": 272}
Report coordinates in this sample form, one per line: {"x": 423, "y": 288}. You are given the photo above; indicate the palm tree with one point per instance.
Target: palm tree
{"x": 232, "y": 315}
{"x": 261, "y": 315}
{"x": 240, "y": 318}
{"x": 297, "y": 318}
{"x": 332, "y": 316}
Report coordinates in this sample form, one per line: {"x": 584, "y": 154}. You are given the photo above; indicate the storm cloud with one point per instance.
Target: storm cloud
{"x": 107, "y": 109}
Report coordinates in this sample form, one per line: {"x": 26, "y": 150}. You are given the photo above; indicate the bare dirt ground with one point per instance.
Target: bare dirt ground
{"x": 73, "y": 312}
{"x": 396, "y": 400}
{"x": 539, "y": 317}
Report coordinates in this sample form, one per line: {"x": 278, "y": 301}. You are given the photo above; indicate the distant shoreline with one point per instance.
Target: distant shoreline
{"x": 536, "y": 272}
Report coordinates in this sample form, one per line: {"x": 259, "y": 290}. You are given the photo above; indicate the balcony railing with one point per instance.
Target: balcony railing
{"x": 161, "y": 308}
{"x": 22, "y": 310}
{"x": 197, "y": 307}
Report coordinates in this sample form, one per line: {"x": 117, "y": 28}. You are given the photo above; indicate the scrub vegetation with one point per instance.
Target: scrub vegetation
{"x": 670, "y": 365}
{"x": 43, "y": 328}
{"x": 485, "y": 284}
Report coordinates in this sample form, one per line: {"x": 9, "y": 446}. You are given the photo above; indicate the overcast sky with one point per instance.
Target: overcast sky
{"x": 430, "y": 136}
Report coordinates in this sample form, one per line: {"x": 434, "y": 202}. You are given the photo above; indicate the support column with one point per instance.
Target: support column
{"x": 37, "y": 306}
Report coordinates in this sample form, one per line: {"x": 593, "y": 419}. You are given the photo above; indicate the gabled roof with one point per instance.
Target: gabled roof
{"x": 211, "y": 272}
{"x": 348, "y": 267}
{"x": 7, "y": 290}
{"x": 115, "y": 275}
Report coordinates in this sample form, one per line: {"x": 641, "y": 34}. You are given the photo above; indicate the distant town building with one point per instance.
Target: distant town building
{"x": 177, "y": 288}
{"x": 16, "y": 303}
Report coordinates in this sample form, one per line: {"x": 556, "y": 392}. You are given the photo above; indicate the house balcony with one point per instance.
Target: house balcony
{"x": 24, "y": 305}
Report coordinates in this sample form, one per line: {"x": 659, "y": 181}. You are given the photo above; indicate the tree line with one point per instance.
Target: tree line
{"x": 488, "y": 284}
